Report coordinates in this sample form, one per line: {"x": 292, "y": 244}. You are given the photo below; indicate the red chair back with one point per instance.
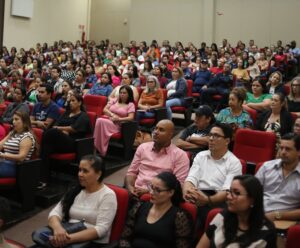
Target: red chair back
{"x": 120, "y": 218}
{"x": 257, "y": 167}
{"x": 95, "y": 103}
{"x": 189, "y": 87}
{"x": 252, "y": 112}
{"x": 93, "y": 118}
{"x": 293, "y": 234}
{"x": 212, "y": 213}
{"x": 254, "y": 146}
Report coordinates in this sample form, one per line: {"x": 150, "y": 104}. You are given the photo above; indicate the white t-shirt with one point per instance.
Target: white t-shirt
{"x": 97, "y": 209}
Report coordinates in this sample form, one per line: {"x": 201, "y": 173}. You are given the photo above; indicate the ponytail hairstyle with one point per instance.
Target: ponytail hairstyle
{"x": 172, "y": 183}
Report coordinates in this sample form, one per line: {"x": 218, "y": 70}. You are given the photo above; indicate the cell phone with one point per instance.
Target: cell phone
{"x": 45, "y": 236}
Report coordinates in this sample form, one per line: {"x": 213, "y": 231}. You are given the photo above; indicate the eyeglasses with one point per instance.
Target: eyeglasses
{"x": 234, "y": 194}
{"x": 150, "y": 81}
{"x": 215, "y": 136}
{"x": 155, "y": 190}
{"x": 296, "y": 85}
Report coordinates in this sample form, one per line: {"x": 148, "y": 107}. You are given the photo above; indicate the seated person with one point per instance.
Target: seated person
{"x": 201, "y": 77}
{"x": 241, "y": 75}
{"x": 127, "y": 79}
{"x": 159, "y": 223}
{"x": 115, "y": 111}
{"x": 277, "y": 120}
{"x": 296, "y": 129}
{"x": 90, "y": 204}
{"x": 73, "y": 124}
{"x": 61, "y": 99}
{"x": 293, "y": 100}
{"x": 212, "y": 172}
{"x": 242, "y": 223}
{"x": 281, "y": 181}
{"x": 218, "y": 85}
{"x": 194, "y": 138}
{"x": 235, "y": 115}
{"x": 45, "y": 112}
{"x": 4, "y": 213}
{"x": 176, "y": 91}
{"x": 102, "y": 87}
{"x": 258, "y": 98}
{"x": 154, "y": 157}
{"x": 17, "y": 146}
{"x": 275, "y": 85}
{"x": 18, "y": 104}
{"x": 150, "y": 99}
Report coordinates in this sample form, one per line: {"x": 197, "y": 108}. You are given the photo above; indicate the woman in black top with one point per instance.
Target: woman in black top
{"x": 293, "y": 99}
{"x": 73, "y": 124}
{"x": 243, "y": 224}
{"x": 159, "y": 223}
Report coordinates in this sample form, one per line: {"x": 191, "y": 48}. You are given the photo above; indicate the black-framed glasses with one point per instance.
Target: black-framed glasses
{"x": 155, "y": 190}
{"x": 235, "y": 194}
{"x": 215, "y": 135}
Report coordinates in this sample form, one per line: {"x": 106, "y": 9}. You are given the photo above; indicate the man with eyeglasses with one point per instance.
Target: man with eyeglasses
{"x": 281, "y": 181}
{"x": 154, "y": 157}
{"x": 212, "y": 172}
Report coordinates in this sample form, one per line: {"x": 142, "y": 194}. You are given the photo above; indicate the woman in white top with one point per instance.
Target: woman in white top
{"x": 91, "y": 202}
{"x": 17, "y": 146}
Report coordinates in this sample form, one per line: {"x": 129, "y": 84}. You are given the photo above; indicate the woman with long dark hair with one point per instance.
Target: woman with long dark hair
{"x": 90, "y": 206}
{"x": 243, "y": 223}
{"x": 159, "y": 223}
{"x": 117, "y": 110}
{"x": 73, "y": 124}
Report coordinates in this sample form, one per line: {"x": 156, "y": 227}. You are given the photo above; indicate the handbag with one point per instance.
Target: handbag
{"x": 41, "y": 235}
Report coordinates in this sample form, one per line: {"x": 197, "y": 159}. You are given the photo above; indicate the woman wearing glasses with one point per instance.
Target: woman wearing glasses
{"x": 151, "y": 98}
{"x": 159, "y": 223}
{"x": 243, "y": 222}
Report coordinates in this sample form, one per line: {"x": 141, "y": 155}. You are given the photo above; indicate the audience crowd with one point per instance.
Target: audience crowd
{"x": 229, "y": 85}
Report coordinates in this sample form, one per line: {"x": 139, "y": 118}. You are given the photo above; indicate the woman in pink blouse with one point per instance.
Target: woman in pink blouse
{"x": 117, "y": 110}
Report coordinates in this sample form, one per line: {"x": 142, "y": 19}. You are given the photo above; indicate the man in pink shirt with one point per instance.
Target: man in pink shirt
{"x": 154, "y": 157}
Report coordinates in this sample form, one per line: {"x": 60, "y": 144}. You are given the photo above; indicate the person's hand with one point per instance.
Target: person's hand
{"x": 115, "y": 118}
{"x": 204, "y": 87}
{"x": 40, "y": 124}
{"x": 140, "y": 191}
{"x": 197, "y": 197}
{"x": 60, "y": 237}
{"x": 271, "y": 216}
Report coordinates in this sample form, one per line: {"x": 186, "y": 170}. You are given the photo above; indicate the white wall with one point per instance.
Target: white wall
{"x": 265, "y": 21}
{"x": 110, "y": 20}
{"x": 52, "y": 20}
{"x": 168, "y": 19}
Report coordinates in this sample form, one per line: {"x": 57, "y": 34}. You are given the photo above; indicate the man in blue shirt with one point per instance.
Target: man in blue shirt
{"x": 45, "y": 112}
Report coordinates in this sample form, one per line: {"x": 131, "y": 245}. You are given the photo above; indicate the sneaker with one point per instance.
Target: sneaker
{"x": 41, "y": 185}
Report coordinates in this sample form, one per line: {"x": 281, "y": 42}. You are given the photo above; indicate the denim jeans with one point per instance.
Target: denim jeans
{"x": 170, "y": 103}
{"x": 7, "y": 168}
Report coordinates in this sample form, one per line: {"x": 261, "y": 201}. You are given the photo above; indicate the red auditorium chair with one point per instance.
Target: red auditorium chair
{"x": 15, "y": 243}
{"x": 186, "y": 110}
{"x": 94, "y": 103}
{"x": 83, "y": 146}
{"x": 125, "y": 138}
{"x": 254, "y": 146}
{"x": 252, "y": 112}
{"x": 293, "y": 234}
{"x": 211, "y": 215}
{"x": 257, "y": 167}
{"x": 24, "y": 184}
{"x": 120, "y": 218}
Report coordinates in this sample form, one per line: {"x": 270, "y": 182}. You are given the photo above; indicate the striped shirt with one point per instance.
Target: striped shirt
{"x": 12, "y": 145}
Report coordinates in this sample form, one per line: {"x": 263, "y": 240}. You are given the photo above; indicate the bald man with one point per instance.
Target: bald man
{"x": 154, "y": 157}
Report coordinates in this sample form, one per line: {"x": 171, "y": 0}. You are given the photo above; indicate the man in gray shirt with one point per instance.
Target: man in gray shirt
{"x": 281, "y": 181}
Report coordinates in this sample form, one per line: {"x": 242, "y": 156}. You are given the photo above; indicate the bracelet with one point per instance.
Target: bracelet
{"x": 210, "y": 203}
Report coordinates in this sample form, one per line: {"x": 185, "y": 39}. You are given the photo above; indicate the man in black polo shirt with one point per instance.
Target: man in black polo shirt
{"x": 194, "y": 138}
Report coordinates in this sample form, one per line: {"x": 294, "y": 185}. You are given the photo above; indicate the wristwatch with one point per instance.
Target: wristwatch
{"x": 278, "y": 215}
